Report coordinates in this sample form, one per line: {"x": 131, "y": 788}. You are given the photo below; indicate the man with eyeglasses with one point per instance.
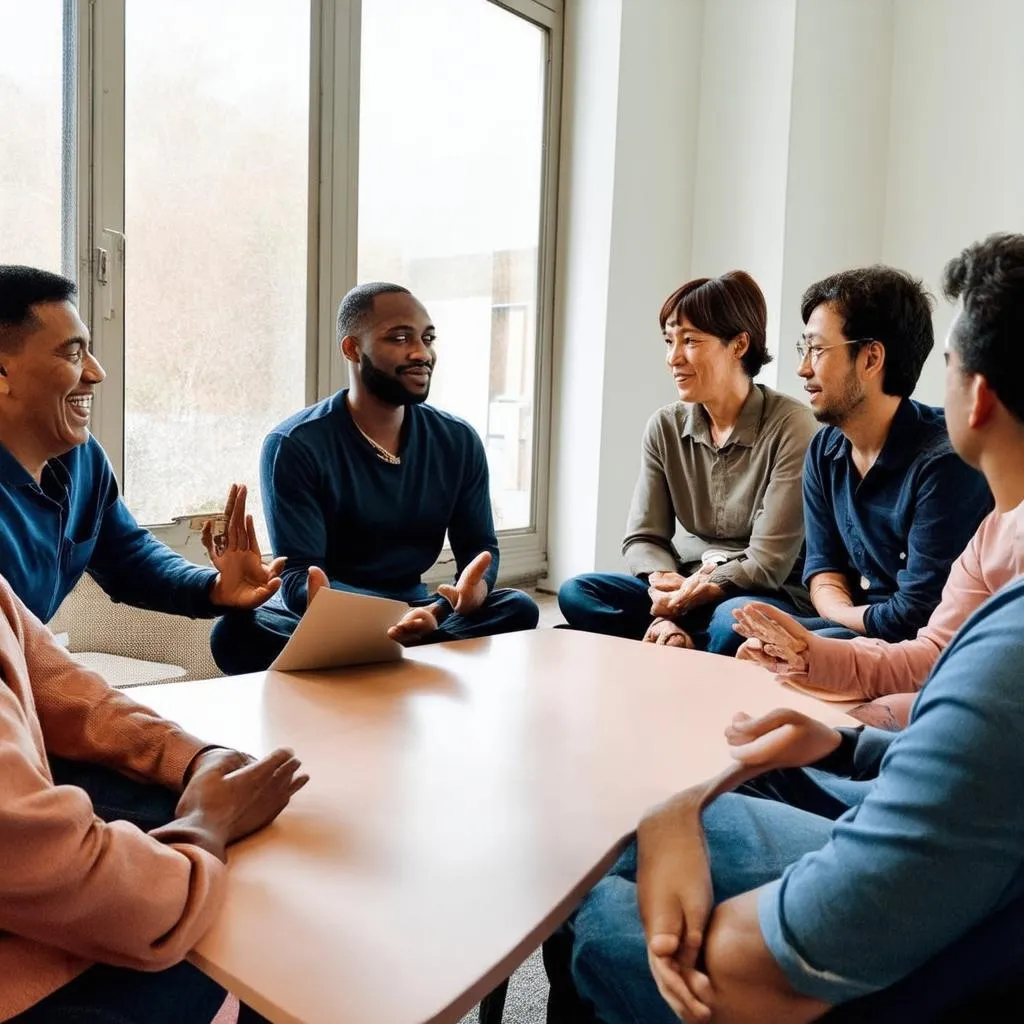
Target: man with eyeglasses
{"x": 881, "y": 480}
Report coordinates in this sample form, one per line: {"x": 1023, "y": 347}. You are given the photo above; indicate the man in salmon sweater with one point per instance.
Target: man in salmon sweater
{"x": 107, "y": 881}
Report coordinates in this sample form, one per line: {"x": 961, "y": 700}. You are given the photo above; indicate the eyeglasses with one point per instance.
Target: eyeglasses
{"x": 814, "y": 352}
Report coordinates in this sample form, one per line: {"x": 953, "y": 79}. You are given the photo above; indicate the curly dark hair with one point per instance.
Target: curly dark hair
{"x": 988, "y": 277}
{"x": 885, "y": 305}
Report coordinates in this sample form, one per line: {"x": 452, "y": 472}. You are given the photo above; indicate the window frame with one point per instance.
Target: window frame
{"x": 335, "y": 41}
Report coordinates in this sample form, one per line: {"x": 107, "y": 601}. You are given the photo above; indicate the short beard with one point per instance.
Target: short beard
{"x": 836, "y": 414}
{"x": 386, "y": 388}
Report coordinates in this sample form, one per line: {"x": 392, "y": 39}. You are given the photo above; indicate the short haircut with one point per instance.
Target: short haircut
{"x": 988, "y": 277}
{"x": 21, "y": 288}
{"x": 724, "y": 306}
{"x": 885, "y": 305}
{"x": 355, "y": 308}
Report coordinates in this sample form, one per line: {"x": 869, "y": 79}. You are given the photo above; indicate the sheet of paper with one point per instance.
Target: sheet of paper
{"x": 341, "y": 629}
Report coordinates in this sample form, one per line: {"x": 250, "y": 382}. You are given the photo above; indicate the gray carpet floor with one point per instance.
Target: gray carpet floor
{"x": 527, "y": 996}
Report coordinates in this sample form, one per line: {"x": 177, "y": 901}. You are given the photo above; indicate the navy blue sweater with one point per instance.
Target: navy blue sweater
{"x": 331, "y": 501}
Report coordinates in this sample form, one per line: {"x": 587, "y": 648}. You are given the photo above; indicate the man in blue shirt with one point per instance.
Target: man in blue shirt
{"x": 60, "y": 510}
{"x": 848, "y": 860}
{"x": 878, "y": 478}
{"x": 367, "y": 483}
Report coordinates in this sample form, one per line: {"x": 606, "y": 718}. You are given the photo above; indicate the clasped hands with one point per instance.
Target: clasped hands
{"x": 672, "y": 596}
{"x": 674, "y": 887}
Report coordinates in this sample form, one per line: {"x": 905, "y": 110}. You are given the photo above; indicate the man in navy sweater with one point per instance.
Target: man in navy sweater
{"x": 367, "y": 483}
{"x": 61, "y": 513}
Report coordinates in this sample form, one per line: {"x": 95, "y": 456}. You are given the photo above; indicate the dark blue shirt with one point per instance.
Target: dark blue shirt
{"x": 895, "y": 533}
{"x": 331, "y": 501}
{"x": 74, "y": 521}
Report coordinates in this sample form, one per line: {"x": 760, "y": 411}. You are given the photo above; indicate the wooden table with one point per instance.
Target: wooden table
{"x": 461, "y": 803}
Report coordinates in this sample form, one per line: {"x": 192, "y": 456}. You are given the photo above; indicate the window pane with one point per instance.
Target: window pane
{"x": 450, "y": 158}
{"x": 216, "y": 214}
{"x": 32, "y": 127}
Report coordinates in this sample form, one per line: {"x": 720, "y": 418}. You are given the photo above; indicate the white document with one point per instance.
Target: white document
{"x": 341, "y": 629}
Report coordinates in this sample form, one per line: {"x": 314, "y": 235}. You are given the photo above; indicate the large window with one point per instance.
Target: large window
{"x": 217, "y": 173}
{"x": 452, "y": 123}
{"x": 216, "y": 166}
{"x": 36, "y": 134}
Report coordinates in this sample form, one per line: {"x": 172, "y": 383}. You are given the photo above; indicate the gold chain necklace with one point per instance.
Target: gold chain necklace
{"x": 378, "y": 449}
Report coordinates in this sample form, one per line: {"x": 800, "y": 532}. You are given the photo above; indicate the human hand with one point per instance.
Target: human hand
{"x": 223, "y": 759}
{"x": 675, "y": 898}
{"x": 470, "y": 591}
{"x": 316, "y": 579}
{"x": 694, "y": 591}
{"x": 776, "y": 641}
{"x": 667, "y": 634}
{"x": 665, "y": 581}
{"x": 226, "y": 802}
{"x": 783, "y": 738}
{"x": 415, "y": 624}
{"x": 242, "y": 580}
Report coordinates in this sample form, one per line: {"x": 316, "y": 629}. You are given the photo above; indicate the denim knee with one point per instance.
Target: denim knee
{"x": 722, "y": 638}
{"x": 574, "y": 598}
{"x": 520, "y": 610}
{"x": 609, "y": 957}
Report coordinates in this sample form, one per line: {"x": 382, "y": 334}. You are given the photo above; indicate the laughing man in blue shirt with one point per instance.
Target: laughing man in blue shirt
{"x": 367, "y": 483}
{"x": 61, "y": 513}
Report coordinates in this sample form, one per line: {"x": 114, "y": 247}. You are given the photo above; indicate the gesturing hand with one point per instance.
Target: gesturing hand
{"x": 470, "y": 591}
{"x": 316, "y": 579}
{"x": 675, "y": 898}
{"x": 465, "y": 597}
{"x": 783, "y": 738}
{"x": 775, "y": 640}
{"x": 242, "y": 581}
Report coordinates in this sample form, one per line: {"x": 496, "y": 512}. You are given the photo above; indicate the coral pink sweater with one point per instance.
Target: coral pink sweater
{"x": 866, "y": 667}
{"x": 73, "y": 889}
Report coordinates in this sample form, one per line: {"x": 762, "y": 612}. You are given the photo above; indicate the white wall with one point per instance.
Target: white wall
{"x": 655, "y": 156}
{"x": 956, "y": 139}
{"x": 791, "y": 138}
{"x": 739, "y": 195}
{"x": 837, "y": 154}
{"x": 624, "y": 245}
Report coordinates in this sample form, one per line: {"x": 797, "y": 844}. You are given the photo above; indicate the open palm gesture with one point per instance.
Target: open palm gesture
{"x": 243, "y": 581}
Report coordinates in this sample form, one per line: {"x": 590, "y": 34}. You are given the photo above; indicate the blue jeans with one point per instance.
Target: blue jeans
{"x": 250, "y": 641}
{"x": 752, "y": 836}
{"x": 616, "y": 604}
{"x": 117, "y": 995}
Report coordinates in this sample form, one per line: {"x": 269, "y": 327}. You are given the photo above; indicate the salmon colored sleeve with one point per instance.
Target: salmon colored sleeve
{"x": 867, "y": 667}
{"x": 105, "y": 892}
{"x": 85, "y": 719}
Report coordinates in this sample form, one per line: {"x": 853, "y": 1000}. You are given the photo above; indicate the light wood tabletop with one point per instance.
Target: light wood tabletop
{"x": 461, "y": 802}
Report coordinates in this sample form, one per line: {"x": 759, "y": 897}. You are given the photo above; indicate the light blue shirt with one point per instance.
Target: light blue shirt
{"x": 937, "y": 843}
